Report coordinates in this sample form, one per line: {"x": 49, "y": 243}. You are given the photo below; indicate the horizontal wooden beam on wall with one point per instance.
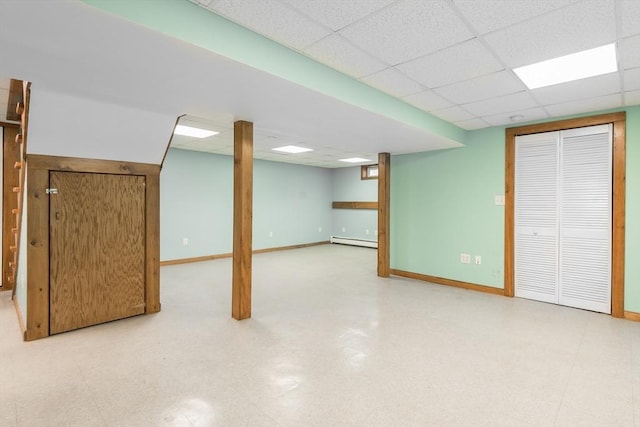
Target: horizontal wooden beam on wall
{"x": 354, "y": 205}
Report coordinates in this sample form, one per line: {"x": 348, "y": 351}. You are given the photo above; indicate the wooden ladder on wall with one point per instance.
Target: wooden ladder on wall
{"x": 14, "y": 155}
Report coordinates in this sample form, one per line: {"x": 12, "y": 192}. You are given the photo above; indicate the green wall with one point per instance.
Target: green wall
{"x": 442, "y": 204}
{"x": 291, "y": 203}
{"x": 348, "y": 186}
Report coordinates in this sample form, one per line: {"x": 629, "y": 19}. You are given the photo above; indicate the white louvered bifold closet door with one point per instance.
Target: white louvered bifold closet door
{"x": 585, "y": 218}
{"x": 563, "y": 206}
{"x": 536, "y": 217}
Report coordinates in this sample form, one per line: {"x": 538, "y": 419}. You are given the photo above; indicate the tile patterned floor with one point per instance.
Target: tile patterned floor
{"x": 330, "y": 344}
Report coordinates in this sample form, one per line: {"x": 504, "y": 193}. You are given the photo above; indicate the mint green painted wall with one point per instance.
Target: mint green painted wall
{"x": 292, "y": 202}
{"x": 348, "y": 186}
{"x": 190, "y": 23}
{"x": 442, "y": 204}
{"x": 196, "y": 202}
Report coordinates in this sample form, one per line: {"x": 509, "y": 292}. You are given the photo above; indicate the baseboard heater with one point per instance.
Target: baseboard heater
{"x": 354, "y": 242}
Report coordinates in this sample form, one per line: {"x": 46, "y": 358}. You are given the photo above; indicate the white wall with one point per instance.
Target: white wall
{"x": 63, "y": 125}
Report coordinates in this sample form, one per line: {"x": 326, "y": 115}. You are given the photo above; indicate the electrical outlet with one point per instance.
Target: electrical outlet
{"x": 478, "y": 260}
{"x": 185, "y": 241}
{"x": 271, "y": 234}
{"x": 465, "y": 258}
{"x": 344, "y": 229}
{"x": 319, "y": 229}
{"x": 366, "y": 231}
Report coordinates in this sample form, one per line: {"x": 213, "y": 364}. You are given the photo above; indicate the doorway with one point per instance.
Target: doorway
{"x": 97, "y": 248}
{"x": 617, "y": 260}
{"x": 563, "y": 217}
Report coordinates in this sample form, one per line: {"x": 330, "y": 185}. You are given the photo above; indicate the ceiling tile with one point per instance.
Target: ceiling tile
{"x": 632, "y": 79}
{"x": 491, "y": 85}
{"x": 472, "y": 124}
{"x": 577, "y": 107}
{"x": 338, "y": 53}
{"x": 629, "y": 50}
{"x": 505, "y": 118}
{"x": 632, "y": 97}
{"x": 408, "y": 29}
{"x": 337, "y": 14}
{"x": 461, "y": 62}
{"x": 583, "y": 25}
{"x": 503, "y": 104}
{"x": 630, "y": 17}
{"x": 579, "y": 89}
{"x": 273, "y": 20}
{"x": 427, "y": 101}
{"x": 393, "y": 82}
{"x": 453, "y": 114}
{"x": 490, "y": 15}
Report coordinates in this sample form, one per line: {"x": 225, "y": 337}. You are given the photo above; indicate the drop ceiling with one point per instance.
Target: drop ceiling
{"x": 452, "y": 59}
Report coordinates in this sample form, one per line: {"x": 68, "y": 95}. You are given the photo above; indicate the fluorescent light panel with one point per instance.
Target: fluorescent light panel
{"x": 193, "y": 132}
{"x": 292, "y": 149}
{"x": 588, "y": 63}
{"x": 355, "y": 160}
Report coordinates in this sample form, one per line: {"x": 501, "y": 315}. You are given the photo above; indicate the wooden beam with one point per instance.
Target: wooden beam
{"x": 354, "y": 205}
{"x": 384, "y": 193}
{"x": 242, "y": 219}
{"x": 15, "y": 97}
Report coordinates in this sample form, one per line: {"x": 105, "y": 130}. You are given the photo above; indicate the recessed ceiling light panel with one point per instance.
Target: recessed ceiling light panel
{"x": 588, "y": 63}
{"x": 292, "y": 149}
{"x": 193, "y": 132}
{"x": 355, "y": 160}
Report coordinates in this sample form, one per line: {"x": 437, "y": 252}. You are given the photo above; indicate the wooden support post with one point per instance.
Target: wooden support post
{"x": 384, "y": 191}
{"x": 242, "y": 219}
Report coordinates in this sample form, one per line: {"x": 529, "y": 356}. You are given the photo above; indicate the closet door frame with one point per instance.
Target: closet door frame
{"x": 618, "y": 120}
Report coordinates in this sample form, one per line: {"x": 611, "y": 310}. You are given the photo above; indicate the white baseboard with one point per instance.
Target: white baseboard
{"x": 354, "y": 242}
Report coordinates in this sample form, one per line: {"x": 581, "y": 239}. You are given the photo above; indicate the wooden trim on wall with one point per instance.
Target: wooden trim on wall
{"x": 37, "y": 254}
{"x": 75, "y": 164}
{"x": 384, "y": 207}
{"x": 166, "y": 150}
{"x": 229, "y": 255}
{"x": 354, "y": 205}
{"x": 15, "y": 97}
{"x": 10, "y": 179}
{"x": 630, "y": 315}
{"x": 618, "y": 217}
{"x": 152, "y": 245}
{"x": 242, "y": 219}
{"x": 448, "y": 282}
